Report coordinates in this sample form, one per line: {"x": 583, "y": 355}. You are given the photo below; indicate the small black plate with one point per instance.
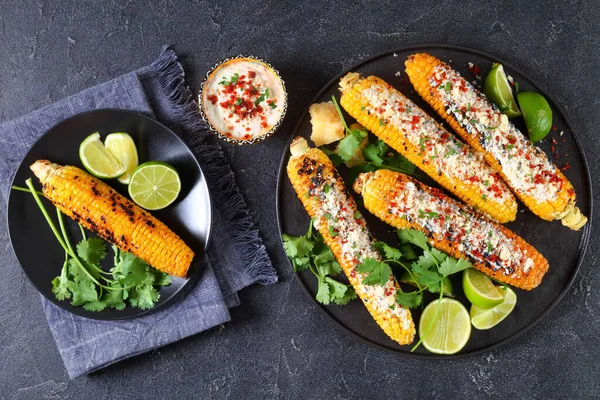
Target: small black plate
{"x": 34, "y": 244}
{"x": 563, "y": 247}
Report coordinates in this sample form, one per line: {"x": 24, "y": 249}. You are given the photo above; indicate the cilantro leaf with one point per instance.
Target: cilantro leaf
{"x": 415, "y": 237}
{"x": 92, "y": 250}
{"x": 328, "y": 268}
{"x": 114, "y": 298}
{"x": 161, "y": 278}
{"x": 84, "y": 291}
{"x": 133, "y": 271}
{"x": 451, "y": 266}
{"x": 347, "y": 297}
{"x": 337, "y": 289}
{"x": 409, "y": 300}
{"x": 323, "y": 291}
{"x": 144, "y": 296}
{"x": 373, "y": 153}
{"x": 300, "y": 263}
{"x": 408, "y": 252}
{"x": 76, "y": 272}
{"x": 388, "y": 251}
{"x": 426, "y": 277}
{"x": 297, "y": 246}
{"x": 94, "y": 306}
{"x": 378, "y": 272}
{"x": 348, "y": 146}
{"x": 61, "y": 287}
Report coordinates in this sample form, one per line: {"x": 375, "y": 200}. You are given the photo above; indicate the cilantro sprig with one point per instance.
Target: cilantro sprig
{"x": 425, "y": 267}
{"x": 309, "y": 252}
{"x": 83, "y": 281}
{"x": 374, "y": 155}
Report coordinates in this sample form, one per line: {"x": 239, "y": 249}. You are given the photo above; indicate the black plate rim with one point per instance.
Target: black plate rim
{"x": 584, "y": 240}
{"x": 189, "y": 280}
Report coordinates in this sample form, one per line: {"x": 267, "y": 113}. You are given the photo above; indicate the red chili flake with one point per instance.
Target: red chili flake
{"x": 416, "y": 119}
{"x": 251, "y": 74}
{"x": 474, "y": 69}
{"x": 553, "y": 127}
{"x": 553, "y": 149}
{"x": 512, "y": 139}
{"x": 247, "y": 137}
{"x": 213, "y": 99}
{"x": 353, "y": 272}
{"x": 565, "y": 167}
{"x": 553, "y": 141}
{"x": 571, "y": 191}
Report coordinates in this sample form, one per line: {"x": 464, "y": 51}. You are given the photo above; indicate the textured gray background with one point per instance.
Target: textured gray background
{"x": 278, "y": 345}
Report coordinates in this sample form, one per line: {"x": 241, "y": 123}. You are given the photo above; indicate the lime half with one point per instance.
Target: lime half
{"x": 537, "y": 114}
{"x": 448, "y": 331}
{"x": 480, "y": 290}
{"x": 98, "y": 160}
{"x": 485, "y": 319}
{"x": 154, "y": 185}
{"x": 122, "y": 146}
{"x": 498, "y": 90}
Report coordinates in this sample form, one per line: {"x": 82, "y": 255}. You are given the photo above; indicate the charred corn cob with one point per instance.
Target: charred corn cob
{"x": 539, "y": 184}
{"x": 323, "y": 194}
{"x": 451, "y": 227}
{"x": 99, "y": 208}
{"x": 409, "y": 130}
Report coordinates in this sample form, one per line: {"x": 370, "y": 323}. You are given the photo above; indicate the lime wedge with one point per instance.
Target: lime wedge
{"x": 98, "y": 160}
{"x": 485, "y": 319}
{"x": 480, "y": 290}
{"x": 407, "y": 278}
{"x": 448, "y": 331}
{"x": 537, "y": 114}
{"x": 498, "y": 90}
{"x": 122, "y": 146}
{"x": 154, "y": 185}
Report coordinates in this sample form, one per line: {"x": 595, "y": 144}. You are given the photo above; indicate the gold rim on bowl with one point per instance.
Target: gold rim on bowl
{"x": 215, "y": 130}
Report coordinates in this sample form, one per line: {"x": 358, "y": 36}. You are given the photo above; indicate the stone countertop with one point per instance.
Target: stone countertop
{"x": 278, "y": 345}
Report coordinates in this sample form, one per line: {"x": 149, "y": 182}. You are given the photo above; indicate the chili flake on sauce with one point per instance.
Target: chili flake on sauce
{"x": 243, "y": 99}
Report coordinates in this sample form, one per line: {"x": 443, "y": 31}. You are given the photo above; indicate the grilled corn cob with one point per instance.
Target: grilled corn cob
{"x": 451, "y": 227}
{"x": 98, "y": 207}
{"x": 323, "y": 194}
{"x": 409, "y": 130}
{"x": 539, "y": 184}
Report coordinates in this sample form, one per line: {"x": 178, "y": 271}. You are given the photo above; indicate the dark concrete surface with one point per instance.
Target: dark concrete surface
{"x": 278, "y": 345}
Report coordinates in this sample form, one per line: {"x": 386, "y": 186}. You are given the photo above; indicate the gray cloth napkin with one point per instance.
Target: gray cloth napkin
{"x": 236, "y": 256}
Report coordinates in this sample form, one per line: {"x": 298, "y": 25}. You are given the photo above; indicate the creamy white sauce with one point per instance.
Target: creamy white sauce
{"x": 338, "y": 216}
{"x": 450, "y": 156}
{"x": 527, "y": 168}
{"x": 243, "y": 99}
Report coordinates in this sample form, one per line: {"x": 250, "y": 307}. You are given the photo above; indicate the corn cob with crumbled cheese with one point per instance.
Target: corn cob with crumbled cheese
{"x": 452, "y": 227}
{"x": 323, "y": 194}
{"x": 409, "y": 130}
{"x": 99, "y": 208}
{"x": 539, "y": 184}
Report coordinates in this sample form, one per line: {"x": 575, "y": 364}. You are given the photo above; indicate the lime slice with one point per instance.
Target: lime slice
{"x": 98, "y": 160}
{"x": 448, "y": 331}
{"x": 498, "y": 90}
{"x": 122, "y": 146}
{"x": 537, "y": 114}
{"x": 485, "y": 319}
{"x": 154, "y": 185}
{"x": 480, "y": 290}
{"x": 407, "y": 278}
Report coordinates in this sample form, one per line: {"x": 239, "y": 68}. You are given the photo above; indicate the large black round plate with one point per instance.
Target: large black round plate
{"x": 563, "y": 248}
{"x": 35, "y": 246}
